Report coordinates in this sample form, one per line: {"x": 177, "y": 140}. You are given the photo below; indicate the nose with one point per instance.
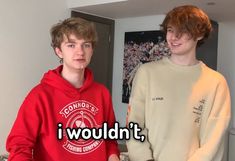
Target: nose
{"x": 79, "y": 50}
{"x": 174, "y": 36}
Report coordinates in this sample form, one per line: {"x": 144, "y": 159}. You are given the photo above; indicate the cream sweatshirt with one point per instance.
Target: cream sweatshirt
{"x": 184, "y": 112}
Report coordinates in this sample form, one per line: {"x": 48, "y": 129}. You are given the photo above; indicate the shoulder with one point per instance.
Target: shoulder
{"x": 214, "y": 76}
{"x": 153, "y": 66}
{"x": 35, "y": 92}
{"x": 100, "y": 87}
{"x": 32, "y": 100}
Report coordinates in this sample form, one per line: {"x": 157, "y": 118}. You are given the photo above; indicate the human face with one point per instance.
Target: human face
{"x": 180, "y": 44}
{"x": 76, "y": 53}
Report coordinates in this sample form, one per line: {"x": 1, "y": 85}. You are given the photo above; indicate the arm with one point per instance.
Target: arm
{"x": 214, "y": 127}
{"x": 113, "y": 157}
{"x": 21, "y": 140}
{"x": 112, "y": 146}
{"x": 138, "y": 151}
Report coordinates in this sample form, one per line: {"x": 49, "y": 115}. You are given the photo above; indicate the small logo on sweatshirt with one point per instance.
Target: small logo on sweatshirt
{"x": 157, "y": 98}
{"x": 80, "y": 114}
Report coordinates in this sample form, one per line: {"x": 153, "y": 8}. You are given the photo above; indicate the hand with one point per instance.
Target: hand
{"x": 113, "y": 157}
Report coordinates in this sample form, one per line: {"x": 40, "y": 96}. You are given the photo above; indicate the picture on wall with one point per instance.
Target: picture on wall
{"x": 139, "y": 48}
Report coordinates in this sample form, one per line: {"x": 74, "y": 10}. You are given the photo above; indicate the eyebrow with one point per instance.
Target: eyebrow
{"x": 70, "y": 41}
{"x": 169, "y": 27}
{"x": 74, "y": 41}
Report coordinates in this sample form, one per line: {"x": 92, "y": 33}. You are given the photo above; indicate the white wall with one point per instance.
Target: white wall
{"x": 122, "y": 26}
{"x": 25, "y": 52}
{"x": 226, "y": 58}
{"x": 226, "y": 62}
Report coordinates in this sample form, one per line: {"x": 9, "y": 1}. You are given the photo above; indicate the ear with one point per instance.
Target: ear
{"x": 58, "y": 52}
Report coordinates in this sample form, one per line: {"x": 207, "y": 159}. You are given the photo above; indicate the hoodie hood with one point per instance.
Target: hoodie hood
{"x": 53, "y": 78}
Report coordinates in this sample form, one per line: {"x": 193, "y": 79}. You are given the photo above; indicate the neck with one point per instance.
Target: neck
{"x": 76, "y": 78}
{"x": 183, "y": 60}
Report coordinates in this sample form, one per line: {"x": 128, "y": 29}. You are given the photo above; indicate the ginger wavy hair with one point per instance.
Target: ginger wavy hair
{"x": 188, "y": 19}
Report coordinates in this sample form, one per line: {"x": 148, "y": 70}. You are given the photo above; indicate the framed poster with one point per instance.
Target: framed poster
{"x": 139, "y": 48}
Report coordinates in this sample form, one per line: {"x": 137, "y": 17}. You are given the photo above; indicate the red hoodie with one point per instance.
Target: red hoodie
{"x": 53, "y": 101}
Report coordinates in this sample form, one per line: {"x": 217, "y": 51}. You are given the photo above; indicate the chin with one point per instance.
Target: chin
{"x": 176, "y": 52}
{"x": 81, "y": 68}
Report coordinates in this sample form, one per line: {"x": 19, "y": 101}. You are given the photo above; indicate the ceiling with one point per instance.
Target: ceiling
{"x": 218, "y": 10}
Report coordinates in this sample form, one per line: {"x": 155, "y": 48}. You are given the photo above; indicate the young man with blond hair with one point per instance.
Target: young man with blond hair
{"x": 66, "y": 98}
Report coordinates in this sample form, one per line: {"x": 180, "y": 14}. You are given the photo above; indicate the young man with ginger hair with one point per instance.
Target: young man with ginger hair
{"x": 182, "y": 106}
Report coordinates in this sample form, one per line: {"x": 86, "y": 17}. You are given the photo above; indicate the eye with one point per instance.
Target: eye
{"x": 169, "y": 30}
{"x": 71, "y": 45}
{"x": 87, "y": 45}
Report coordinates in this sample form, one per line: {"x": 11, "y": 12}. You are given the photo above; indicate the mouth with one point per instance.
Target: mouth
{"x": 174, "y": 45}
{"x": 80, "y": 60}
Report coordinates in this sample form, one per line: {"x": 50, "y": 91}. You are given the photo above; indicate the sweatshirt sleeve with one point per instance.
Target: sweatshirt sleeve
{"x": 213, "y": 129}
{"x": 112, "y": 146}
{"x": 137, "y": 150}
{"x": 21, "y": 140}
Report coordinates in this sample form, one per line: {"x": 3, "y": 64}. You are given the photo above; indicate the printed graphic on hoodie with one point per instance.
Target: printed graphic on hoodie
{"x": 80, "y": 114}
